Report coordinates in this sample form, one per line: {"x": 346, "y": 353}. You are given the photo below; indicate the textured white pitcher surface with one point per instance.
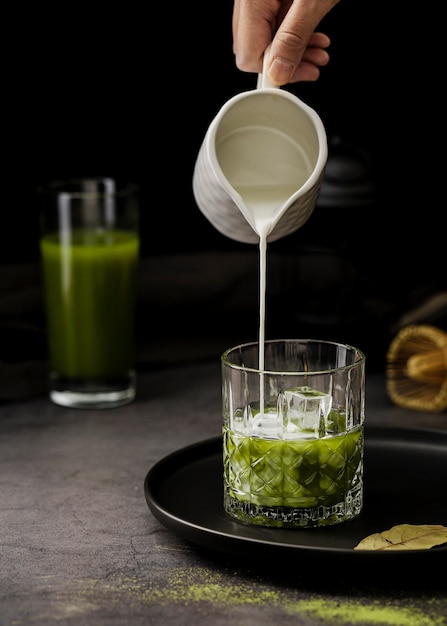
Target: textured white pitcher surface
{"x": 262, "y": 160}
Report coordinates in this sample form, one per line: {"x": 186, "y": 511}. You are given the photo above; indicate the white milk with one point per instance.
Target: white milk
{"x": 263, "y": 204}
{"x": 255, "y": 157}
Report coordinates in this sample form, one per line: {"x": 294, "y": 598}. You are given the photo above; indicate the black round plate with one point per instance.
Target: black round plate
{"x": 405, "y": 482}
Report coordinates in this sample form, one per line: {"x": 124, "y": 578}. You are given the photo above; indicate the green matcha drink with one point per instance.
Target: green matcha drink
{"x": 89, "y": 288}
{"x": 301, "y": 477}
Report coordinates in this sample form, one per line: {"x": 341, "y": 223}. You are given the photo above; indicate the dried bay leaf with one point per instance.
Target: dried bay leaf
{"x": 405, "y": 537}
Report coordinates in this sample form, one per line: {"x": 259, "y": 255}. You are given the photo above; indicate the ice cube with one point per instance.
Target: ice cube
{"x": 304, "y": 412}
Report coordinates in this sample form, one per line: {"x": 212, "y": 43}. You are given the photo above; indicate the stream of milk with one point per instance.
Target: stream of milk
{"x": 266, "y": 168}
{"x": 264, "y": 202}
{"x": 264, "y": 208}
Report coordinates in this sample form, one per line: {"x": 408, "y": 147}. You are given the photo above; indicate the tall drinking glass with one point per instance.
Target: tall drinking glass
{"x": 293, "y": 433}
{"x": 89, "y": 251}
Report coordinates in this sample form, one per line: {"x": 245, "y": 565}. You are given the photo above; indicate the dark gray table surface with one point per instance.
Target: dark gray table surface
{"x": 79, "y": 544}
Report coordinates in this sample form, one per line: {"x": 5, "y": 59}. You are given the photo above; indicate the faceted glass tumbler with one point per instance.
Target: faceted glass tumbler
{"x": 293, "y": 433}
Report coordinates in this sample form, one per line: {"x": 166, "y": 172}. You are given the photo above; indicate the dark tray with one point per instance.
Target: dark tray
{"x": 405, "y": 482}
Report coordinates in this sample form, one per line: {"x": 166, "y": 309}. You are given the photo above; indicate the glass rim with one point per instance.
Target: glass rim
{"x": 72, "y": 187}
{"x": 225, "y": 360}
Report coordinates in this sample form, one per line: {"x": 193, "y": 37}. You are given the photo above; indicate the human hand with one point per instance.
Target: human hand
{"x": 297, "y": 51}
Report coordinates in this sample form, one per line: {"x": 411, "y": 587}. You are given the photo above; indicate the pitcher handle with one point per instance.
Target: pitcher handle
{"x": 263, "y": 80}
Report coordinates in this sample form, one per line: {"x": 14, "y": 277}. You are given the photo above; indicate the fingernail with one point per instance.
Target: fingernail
{"x": 281, "y": 71}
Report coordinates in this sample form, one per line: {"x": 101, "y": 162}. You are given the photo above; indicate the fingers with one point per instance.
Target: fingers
{"x": 297, "y": 52}
{"x": 283, "y": 71}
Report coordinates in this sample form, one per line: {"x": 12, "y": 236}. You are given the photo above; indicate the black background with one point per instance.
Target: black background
{"x": 128, "y": 91}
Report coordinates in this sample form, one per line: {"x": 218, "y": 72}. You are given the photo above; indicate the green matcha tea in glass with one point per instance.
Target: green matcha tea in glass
{"x": 89, "y": 250}
{"x": 293, "y": 435}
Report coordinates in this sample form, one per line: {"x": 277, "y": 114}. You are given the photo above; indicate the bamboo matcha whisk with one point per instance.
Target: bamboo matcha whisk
{"x": 417, "y": 368}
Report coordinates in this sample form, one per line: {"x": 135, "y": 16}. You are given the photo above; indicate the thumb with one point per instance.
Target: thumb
{"x": 292, "y": 38}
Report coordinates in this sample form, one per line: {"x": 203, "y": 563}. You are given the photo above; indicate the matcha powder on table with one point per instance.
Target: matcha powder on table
{"x": 201, "y": 587}
{"x": 357, "y": 612}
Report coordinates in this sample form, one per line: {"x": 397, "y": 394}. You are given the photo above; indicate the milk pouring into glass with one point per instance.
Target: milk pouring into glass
{"x": 260, "y": 168}
{"x": 263, "y": 202}
{"x": 292, "y": 445}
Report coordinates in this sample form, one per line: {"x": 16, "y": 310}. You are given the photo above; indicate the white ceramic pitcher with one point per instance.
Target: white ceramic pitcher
{"x": 263, "y": 157}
